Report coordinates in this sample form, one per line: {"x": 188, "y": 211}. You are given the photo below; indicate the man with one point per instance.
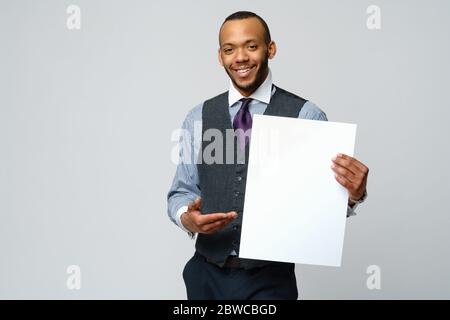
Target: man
{"x": 207, "y": 198}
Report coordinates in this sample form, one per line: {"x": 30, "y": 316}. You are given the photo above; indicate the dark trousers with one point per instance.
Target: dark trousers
{"x": 207, "y": 281}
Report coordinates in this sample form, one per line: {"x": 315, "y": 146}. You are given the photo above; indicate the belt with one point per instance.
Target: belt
{"x": 231, "y": 262}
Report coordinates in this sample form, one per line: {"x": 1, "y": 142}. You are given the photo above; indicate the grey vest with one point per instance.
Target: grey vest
{"x": 222, "y": 186}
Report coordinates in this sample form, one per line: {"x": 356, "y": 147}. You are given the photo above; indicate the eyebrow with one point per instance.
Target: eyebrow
{"x": 231, "y": 44}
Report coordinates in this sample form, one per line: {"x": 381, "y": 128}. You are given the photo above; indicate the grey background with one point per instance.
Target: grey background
{"x": 86, "y": 119}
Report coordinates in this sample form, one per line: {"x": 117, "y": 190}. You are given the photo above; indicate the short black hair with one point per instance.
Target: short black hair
{"x": 239, "y": 15}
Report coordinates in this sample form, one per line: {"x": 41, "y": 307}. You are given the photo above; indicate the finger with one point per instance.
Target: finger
{"x": 215, "y": 229}
{"x": 344, "y": 182}
{"x": 232, "y": 214}
{"x": 219, "y": 225}
{"x": 349, "y": 164}
{"x": 356, "y": 165}
{"x": 215, "y": 226}
{"x": 346, "y": 163}
{"x": 342, "y": 171}
{"x": 212, "y": 217}
{"x": 227, "y": 218}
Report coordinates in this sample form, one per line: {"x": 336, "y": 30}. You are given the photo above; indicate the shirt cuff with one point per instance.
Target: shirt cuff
{"x": 351, "y": 211}
{"x": 180, "y": 211}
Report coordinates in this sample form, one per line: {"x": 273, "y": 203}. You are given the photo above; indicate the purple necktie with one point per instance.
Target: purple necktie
{"x": 243, "y": 120}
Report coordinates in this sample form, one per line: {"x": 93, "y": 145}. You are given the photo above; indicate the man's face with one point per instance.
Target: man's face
{"x": 244, "y": 54}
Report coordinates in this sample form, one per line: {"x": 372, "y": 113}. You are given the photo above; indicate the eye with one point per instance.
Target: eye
{"x": 228, "y": 50}
{"x": 253, "y": 47}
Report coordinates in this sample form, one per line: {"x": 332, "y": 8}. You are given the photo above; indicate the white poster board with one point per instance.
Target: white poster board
{"x": 295, "y": 210}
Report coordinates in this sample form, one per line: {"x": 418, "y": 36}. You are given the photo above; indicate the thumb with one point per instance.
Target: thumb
{"x": 195, "y": 205}
{"x": 197, "y": 202}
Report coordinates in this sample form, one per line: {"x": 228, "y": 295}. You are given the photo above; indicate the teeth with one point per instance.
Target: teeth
{"x": 243, "y": 70}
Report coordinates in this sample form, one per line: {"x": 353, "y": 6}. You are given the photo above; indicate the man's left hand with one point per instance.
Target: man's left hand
{"x": 352, "y": 174}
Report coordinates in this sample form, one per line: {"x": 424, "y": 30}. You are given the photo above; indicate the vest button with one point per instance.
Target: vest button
{"x": 235, "y": 227}
{"x": 239, "y": 178}
{"x": 236, "y": 193}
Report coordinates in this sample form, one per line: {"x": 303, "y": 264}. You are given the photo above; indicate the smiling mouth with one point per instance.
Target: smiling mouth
{"x": 243, "y": 72}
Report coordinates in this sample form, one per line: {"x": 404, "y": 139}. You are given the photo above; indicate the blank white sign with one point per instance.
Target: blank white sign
{"x": 295, "y": 210}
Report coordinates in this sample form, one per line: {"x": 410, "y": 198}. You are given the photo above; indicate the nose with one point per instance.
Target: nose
{"x": 241, "y": 55}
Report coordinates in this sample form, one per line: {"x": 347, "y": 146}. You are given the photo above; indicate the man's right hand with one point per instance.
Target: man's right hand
{"x": 195, "y": 221}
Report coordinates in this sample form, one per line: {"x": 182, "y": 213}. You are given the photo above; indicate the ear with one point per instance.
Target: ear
{"x": 272, "y": 49}
{"x": 220, "y": 57}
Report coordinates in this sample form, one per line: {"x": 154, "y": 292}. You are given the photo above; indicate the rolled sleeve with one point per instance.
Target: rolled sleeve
{"x": 185, "y": 184}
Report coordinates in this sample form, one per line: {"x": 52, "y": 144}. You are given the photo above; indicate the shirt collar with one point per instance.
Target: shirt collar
{"x": 263, "y": 93}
